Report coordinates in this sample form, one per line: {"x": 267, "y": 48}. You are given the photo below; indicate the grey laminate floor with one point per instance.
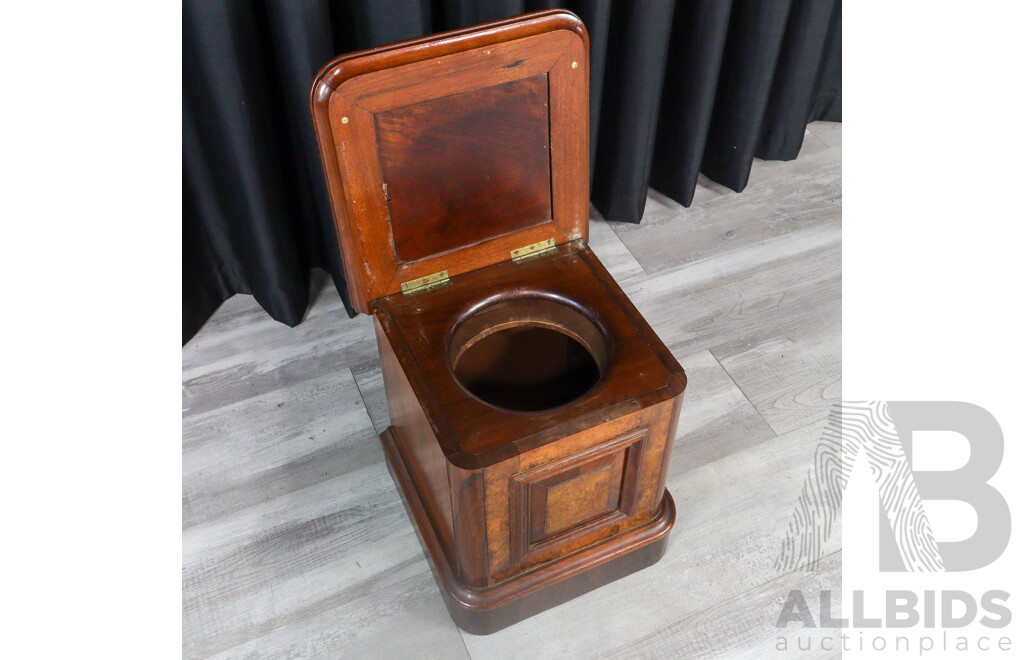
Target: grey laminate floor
{"x": 296, "y": 544}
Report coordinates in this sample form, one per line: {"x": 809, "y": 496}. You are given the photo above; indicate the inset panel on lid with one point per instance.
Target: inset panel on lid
{"x": 475, "y": 165}
{"x": 448, "y": 154}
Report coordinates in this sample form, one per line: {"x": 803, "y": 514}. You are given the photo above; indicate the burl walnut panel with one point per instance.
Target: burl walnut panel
{"x": 561, "y": 501}
{"x": 475, "y": 165}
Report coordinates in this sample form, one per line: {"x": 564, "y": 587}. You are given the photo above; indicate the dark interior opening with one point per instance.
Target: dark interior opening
{"x": 527, "y": 368}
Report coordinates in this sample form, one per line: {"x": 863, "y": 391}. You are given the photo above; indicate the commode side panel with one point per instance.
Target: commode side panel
{"x": 573, "y": 501}
{"x": 662, "y": 421}
{"x": 416, "y": 442}
{"x": 568, "y": 495}
{"x": 472, "y": 526}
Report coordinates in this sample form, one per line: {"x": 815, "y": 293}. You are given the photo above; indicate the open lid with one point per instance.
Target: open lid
{"x": 447, "y": 153}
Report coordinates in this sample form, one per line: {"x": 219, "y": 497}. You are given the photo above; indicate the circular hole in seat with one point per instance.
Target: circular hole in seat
{"x": 528, "y": 354}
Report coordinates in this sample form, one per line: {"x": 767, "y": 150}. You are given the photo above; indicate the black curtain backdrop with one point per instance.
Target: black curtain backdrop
{"x": 677, "y": 88}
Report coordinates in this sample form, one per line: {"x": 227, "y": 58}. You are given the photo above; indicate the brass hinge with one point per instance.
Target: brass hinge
{"x": 425, "y": 283}
{"x": 520, "y": 255}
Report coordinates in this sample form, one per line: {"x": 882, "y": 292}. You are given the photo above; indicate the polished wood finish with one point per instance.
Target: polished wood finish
{"x": 532, "y": 407}
{"x": 640, "y": 372}
{"x": 485, "y": 610}
{"x": 298, "y": 547}
{"x": 295, "y": 541}
{"x": 574, "y": 496}
{"x": 525, "y": 491}
{"x": 411, "y": 427}
{"x": 469, "y": 167}
{"x": 373, "y": 117}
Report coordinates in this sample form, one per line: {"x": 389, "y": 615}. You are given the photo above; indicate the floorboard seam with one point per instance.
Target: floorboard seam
{"x": 300, "y": 617}
{"x": 721, "y": 602}
{"x": 362, "y": 397}
{"x": 815, "y": 136}
{"x": 626, "y": 247}
{"x": 261, "y": 577}
{"x": 747, "y": 272}
{"x": 747, "y": 398}
{"x": 819, "y": 139}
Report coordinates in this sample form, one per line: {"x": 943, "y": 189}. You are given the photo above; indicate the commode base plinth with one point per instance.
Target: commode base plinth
{"x": 482, "y": 611}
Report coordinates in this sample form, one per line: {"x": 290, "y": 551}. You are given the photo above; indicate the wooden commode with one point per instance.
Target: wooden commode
{"x": 532, "y": 407}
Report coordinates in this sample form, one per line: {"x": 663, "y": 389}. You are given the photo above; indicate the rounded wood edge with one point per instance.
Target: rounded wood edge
{"x": 501, "y": 606}
{"x": 319, "y": 108}
{"x": 472, "y": 598}
{"x": 676, "y": 383}
{"x": 349, "y": 65}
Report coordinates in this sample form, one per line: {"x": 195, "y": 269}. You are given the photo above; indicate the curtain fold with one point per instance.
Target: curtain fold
{"x": 677, "y": 89}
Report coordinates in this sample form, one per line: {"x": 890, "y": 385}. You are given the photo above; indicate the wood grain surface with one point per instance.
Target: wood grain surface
{"x": 395, "y": 128}
{"x": 295, "y": 541}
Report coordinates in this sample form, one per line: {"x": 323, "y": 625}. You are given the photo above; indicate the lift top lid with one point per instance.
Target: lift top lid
{"x": 449, "y": 152}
